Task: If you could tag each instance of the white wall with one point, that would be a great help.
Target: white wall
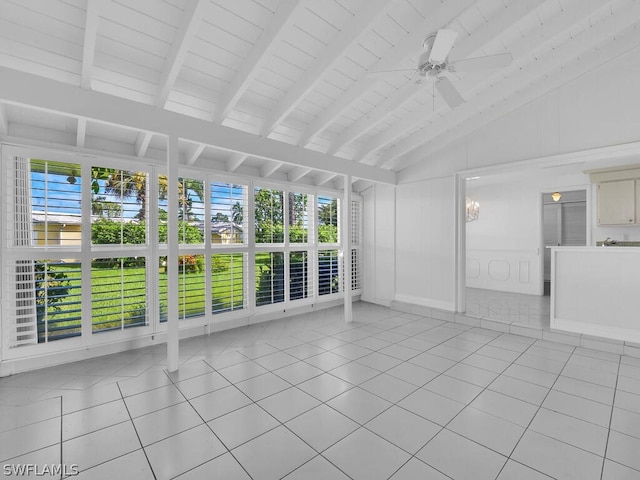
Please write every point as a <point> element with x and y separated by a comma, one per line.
<point>599,109</point>
<point>504,246</point>
<point>425,245</point>
<point>378,265</point>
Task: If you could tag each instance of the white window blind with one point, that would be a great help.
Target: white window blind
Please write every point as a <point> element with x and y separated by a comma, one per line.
<point>191,211</point>
<point>328,272</point>
<point>301,229</point>
<point>228,220</point>
<point>56,215</point>
<point>300,278</point>
<point>270,286</point>
<point>228,272</point>
<point>356,235</point>
<point>269,224</point>
<point>21,321</point>
<point>328,211</point>
<point>120,206</point>
<point>118,293</point>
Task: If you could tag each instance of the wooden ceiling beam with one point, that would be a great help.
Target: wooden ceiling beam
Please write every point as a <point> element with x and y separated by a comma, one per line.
<point>525,85</point>
<point>81,132</point>
<point>189,27</point>
<point>256,58</point>
<point>89,45</point>
<point>297,174</point>
<point>269,168</point>
<point>142,143</point>
<point>408,46</point>
<point>21,88</point>
<point>325,62</point>
<point>511,14</point>
<point>237,160</point>
<point>4,120</point>
<point>194,153</point>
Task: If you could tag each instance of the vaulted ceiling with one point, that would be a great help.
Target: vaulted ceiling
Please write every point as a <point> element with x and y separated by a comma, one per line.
<point>297,79</point>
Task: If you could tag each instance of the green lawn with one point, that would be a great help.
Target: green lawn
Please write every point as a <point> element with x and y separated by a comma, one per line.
<point>118,293</point>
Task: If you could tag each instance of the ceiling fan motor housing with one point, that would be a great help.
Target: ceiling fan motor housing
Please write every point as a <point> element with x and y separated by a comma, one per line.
<point>427,67</point>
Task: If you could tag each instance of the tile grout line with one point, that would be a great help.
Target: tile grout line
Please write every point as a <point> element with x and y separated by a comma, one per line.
<point>467,405</point>
<point>136,430</point>
<point>61,437</point>
<point>281,424</point>
<point>613,406</point>
<point>534,415</point>
<point>207,423</point>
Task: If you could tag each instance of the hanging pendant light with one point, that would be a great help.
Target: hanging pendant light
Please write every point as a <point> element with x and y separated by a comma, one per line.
<point>472,209</point>
<point>556,196</point>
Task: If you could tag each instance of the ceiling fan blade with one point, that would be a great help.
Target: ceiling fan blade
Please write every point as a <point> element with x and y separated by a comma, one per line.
<point>449,92</point>
<point>390,73</point>
<point>442,46</point>
<point>483,63</point>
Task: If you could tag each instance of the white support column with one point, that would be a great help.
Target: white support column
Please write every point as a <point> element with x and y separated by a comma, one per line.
<point>346,248</point>
<point>173,334</point>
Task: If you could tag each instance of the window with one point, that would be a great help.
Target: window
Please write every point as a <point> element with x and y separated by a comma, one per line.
<point>228,224</point>
<point>191,286</point>
<point>328,220</point>
<point>227,282</point>
<point>299,278</point>
<point>55,203</point>
<point>58,299</point>
<point>269,278</point>
<point>191,210</point>
<point>298,217</point>
<point>328,272</point>
<point>119,206</point>
<point>118,293</point>
<point>356,234</point>
<point>124,278</point>
<point>269,225</point>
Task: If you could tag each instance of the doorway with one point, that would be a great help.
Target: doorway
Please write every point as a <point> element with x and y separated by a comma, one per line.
<point>564,223</point>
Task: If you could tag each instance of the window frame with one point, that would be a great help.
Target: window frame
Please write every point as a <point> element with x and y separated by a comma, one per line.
<point>152,250</point>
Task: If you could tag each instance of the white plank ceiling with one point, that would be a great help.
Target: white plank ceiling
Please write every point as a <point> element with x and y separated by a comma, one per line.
<point>298,71</point>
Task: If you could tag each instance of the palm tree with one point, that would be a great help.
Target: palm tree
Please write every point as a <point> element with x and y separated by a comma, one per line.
<point>236,213</point>
<point>128,184</point>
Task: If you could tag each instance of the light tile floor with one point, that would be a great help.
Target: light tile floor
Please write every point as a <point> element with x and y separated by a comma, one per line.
<point>391,395</point>
<point>506,307</point>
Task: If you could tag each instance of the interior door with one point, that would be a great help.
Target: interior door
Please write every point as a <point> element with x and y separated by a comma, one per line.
<point>564,223</point>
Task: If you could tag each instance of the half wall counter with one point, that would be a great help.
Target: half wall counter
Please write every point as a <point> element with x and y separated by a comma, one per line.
<point>596,291</point>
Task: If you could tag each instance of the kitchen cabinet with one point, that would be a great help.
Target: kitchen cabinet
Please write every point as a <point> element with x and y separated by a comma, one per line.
<point>617,202</point>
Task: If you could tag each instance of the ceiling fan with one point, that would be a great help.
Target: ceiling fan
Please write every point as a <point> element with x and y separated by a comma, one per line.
<point>434,62</point>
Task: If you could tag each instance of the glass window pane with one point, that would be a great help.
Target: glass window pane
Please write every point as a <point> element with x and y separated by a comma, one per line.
<point>191,213</point>
<point>227,282</point>
<point>58,288</point>
<point>191,286</point>
<point>118,293</point>
<point>298,217</point>
<point>56,214</point>
<point>299,285</point>
<point>228,223</point>
<point>119,206</point>
<point>268,216</point>
<point>269,278</point>
<point>328,274</point>
<point>327,220</point>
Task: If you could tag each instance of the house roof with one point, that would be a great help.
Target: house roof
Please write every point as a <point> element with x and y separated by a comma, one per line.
<point>225,227</point>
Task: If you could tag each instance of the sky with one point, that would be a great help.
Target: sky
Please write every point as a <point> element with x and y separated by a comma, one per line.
<point>61,192</point>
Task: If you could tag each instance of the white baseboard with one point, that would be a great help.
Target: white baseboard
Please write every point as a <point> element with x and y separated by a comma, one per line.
<point>49,359</point>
